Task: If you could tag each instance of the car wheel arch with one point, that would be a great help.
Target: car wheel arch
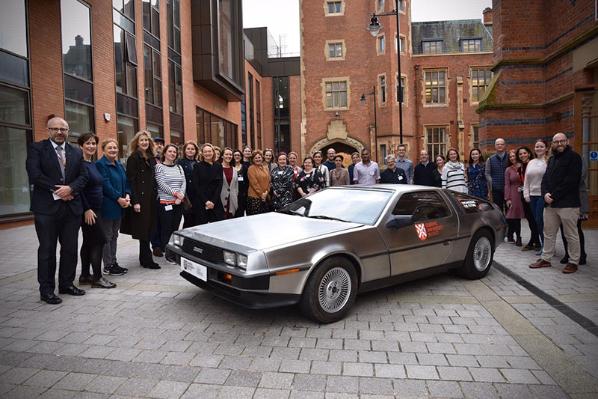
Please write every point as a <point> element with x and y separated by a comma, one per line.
<point>346,255</point>
<point>490,231</point>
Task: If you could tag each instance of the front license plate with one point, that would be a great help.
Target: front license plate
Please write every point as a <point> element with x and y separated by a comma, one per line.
<point>195,269</point>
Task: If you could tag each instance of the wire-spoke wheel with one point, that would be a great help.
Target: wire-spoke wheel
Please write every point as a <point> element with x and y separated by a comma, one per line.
<point>334,290</point>
<point>482,254</point>
<point>479,256</point>
<point>330,291</point>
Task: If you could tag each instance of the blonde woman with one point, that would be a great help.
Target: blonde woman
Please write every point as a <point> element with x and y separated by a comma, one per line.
<point>140,172</point>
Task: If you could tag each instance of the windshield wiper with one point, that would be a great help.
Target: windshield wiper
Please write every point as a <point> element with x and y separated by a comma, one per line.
<point>328,218</point>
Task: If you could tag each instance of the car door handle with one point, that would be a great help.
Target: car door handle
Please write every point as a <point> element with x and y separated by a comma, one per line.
<point>446,243</point>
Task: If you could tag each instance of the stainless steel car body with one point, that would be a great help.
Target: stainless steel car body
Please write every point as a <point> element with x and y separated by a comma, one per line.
<point>283,250</point>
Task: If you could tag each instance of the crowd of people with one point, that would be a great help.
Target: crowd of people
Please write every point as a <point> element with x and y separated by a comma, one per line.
<point>162,185</point>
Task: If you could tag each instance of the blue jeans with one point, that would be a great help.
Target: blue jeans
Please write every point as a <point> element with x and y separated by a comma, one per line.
<point>537,207</point>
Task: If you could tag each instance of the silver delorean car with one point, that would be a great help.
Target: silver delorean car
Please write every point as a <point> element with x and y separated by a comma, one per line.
<point>321,250</point>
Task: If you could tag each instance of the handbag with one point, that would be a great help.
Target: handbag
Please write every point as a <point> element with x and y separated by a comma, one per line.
<point>187,204</point>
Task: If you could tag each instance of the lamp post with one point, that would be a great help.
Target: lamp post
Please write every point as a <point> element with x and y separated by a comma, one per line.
<point>374,28</point>
<point>362,101</point>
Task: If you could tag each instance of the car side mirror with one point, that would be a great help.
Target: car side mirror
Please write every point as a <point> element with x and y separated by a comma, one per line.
<point>399,221</point>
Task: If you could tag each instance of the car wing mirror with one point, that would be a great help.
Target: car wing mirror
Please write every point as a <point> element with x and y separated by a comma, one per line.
<point>399,221</point>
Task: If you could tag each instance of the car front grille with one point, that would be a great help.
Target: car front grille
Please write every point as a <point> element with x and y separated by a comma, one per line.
<point>203,251</point>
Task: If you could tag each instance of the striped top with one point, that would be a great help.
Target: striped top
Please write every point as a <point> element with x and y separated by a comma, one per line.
<point>170,180</point>
<point>453,177</point>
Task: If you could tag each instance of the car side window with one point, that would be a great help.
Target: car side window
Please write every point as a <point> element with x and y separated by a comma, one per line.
<point>471,204</point>
<point>422,205</point>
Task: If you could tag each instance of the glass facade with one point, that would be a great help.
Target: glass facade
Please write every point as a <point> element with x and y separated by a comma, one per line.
<point>282,122</point>
<point>215,130</point>
<point>15,109</point>
<point>77,67</point>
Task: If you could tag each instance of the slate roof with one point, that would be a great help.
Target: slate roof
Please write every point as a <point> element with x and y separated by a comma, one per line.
<point>451,33</point>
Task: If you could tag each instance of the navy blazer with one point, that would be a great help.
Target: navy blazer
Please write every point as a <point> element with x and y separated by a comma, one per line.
<point>44,173</point>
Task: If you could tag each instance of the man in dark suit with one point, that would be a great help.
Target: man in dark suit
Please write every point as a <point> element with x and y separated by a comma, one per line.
<point>57,175</point>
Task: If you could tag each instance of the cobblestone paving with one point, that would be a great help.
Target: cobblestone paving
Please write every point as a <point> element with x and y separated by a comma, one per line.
<point>157,336</point>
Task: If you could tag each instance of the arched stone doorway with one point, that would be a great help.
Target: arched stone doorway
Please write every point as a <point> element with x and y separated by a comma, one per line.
<point>343,146</point>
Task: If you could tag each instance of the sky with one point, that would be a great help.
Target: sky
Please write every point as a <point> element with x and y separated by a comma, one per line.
<point>282,16</point>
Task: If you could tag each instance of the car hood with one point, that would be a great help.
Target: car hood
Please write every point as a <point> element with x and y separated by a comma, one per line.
<point>259,232</point>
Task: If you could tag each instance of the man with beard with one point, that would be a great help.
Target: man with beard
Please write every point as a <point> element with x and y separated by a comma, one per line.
<point>560,189</point>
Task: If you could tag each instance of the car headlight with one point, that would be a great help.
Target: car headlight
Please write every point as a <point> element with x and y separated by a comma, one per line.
<point>178,240</point>
<point>229,258</point>
<point>242,261</point>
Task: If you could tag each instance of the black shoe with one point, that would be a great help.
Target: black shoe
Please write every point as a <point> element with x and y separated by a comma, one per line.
<point>124,269</point>
<point>72,290</point>
<point>50,299</point>
<point>518,242</point>
<point>113,270</point>
<point>102,283</point>
<point>158,252</point>
<point>510,239</point>
<point>582,260</point>
<point>152,265</point>
<point>565,260</point>
<point>85,280</point>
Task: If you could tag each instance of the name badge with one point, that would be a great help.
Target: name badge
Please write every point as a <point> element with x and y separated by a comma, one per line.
<point>239,178</point>
<point>168,208</point>
<point>280,172</point>
<point>400,178</point>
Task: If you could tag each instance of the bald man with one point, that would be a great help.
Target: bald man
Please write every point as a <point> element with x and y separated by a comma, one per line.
<point>560,191</point>
<point>495,173</point>
<point>57,174</point>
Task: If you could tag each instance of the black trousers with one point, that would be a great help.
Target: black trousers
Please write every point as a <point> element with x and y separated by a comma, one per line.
<point>145,253</point>
<point>62,227</point>
<point>498,197</point>
<point>582,241</point>
<point>155,237</point>
<point>92,247</point>
<point>188,218</point>
<point>514,228</point>
<point>203,216</point>
<point>169,222</point>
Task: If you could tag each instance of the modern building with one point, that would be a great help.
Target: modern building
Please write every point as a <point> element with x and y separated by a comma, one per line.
<point>351,89</point>
<point>546,78</point>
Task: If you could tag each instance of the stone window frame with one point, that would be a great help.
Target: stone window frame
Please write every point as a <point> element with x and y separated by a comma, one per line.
<point>381,38</point>
<point>472,101</point>
<point>470,41</point>
<point>447,139</point>
<point>327,53</point>
<point>406,48</point>
<point>446,88</point>
<point>345,79</point>
<point>472,136</point>
<point>335,14</point>
<point>438,45</point>
<point>404,10</point>
<point>405,89</point>
<point>382,102</point>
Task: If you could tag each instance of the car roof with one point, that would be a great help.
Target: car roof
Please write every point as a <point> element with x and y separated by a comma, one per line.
<point>398,188</point>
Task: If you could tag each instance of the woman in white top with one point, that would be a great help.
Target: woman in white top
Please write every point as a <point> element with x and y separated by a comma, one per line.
<point>172,187</point>
<point>532,184</point>
<point>453,173</point>
<point>321,168</point>
<point>230,186</point>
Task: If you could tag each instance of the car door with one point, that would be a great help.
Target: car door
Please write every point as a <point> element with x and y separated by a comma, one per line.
<point>425,238</point>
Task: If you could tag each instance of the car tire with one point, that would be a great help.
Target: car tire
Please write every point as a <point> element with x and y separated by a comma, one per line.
<point>330,291</point>
<point>480,254</point>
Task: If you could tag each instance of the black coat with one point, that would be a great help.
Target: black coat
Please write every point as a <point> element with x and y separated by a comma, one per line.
<point>188,165</point>
<point>140,173</point>
<point>398,176</point>
<point>562,177</point>
<point>207,183</point>
<point>424,174</point>
<point>44,173</point>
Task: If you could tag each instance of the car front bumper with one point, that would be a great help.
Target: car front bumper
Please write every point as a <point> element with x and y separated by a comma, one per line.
<point>249,292</point>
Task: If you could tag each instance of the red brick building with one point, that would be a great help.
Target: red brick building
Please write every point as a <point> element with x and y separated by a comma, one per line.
<point>445,68</point>
<point>546,77</point>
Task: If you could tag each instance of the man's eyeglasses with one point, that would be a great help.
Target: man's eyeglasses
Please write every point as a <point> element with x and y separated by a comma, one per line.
<point>59,129</point>
<point>559,141</point>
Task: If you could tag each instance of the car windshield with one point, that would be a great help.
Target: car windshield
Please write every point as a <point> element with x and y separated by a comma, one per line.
<point>347,205</point>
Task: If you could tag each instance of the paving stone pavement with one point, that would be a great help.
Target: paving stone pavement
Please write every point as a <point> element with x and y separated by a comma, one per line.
<point>157,336</point>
